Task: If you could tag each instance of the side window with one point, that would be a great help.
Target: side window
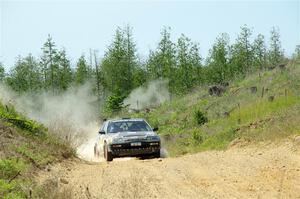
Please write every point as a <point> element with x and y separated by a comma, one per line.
<point>103,127</point>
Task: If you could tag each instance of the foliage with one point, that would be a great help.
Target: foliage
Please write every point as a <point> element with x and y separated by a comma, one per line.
<point>239,114</point>
<point>188,64</point>
<point>259,53</point>
<point>241,55</point>
<point>180,63</point>
<point>33,148</point>
<point>200,117</point>
<point>65,72</point>
<point>49,65</point>
<point>122,70</point>
<point>114,102</point>
<point>275,54</point>
<point>9,168</point>
<point>81,75</point>
<point>197,137</point>
<point>25,76</point>
<point>120,62</point>
<point>161,62</point>
<point>2,72</point>
<point>11,190</point>
<point>297,52</point>
<point>38,158</point>
<point>7,113</point>
<point>218,60</point>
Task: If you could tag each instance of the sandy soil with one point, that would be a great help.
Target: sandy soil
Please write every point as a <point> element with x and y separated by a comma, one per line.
<point>268,171</point>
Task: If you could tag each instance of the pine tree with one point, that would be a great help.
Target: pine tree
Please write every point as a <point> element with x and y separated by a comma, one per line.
<point>242,52</point>
<point>275,54</point>
<point>81,74</point>
<point>259,52</point>
<point>130,54</point>
<point>113,62</point>
<point>96,73</point>
<point>2,73</point>
<point>196,60</point>
<point>218,60</point>
<point>139,74</point>
<point>297,52</point>
<point>161,63</point>
<point>65,71</point>
<point>25,75</point>
<point>49,67</point>
<point>188,61</point>
<point>119,62</point>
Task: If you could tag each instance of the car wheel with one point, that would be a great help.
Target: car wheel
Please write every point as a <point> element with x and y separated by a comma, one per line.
<point>157,154</point>
<point>107,154</point>
<point>96,151</point>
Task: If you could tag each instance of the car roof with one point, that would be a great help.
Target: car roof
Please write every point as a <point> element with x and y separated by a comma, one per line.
<point>125,120</point>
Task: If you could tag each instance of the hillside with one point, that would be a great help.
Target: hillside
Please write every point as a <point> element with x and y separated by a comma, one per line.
<point>264,106</point>
<point>26,149</point>
<point>261,108</point>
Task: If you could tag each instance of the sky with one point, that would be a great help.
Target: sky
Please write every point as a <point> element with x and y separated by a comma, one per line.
<point>79,26</point>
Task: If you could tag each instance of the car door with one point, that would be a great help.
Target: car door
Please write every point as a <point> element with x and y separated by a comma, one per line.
<point>103,137</point>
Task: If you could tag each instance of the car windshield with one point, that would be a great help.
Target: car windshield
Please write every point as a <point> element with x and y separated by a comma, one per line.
<point>125,126</point>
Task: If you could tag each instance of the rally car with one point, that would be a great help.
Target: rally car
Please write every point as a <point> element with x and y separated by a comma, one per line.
<point>128,137</point>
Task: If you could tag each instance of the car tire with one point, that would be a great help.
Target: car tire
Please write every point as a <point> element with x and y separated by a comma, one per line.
<point>107,154</point>
<point>157,154</point>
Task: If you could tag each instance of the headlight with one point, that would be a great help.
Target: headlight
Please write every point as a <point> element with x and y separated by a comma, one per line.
<point>152,138</point>
<point>118,140</point>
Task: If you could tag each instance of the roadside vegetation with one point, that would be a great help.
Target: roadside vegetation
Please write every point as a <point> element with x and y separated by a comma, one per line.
<point>115,75</point>
<point>264,106</point>
<point>25,148</point>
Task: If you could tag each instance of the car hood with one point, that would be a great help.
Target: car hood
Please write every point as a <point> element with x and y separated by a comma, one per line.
<point>139,134</point>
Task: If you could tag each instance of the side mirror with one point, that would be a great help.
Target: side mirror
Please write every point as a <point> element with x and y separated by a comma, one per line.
<point>102,132</point>
<point>155,129</point>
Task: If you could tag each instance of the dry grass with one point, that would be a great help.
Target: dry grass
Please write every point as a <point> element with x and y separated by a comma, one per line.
<point>239,113</point>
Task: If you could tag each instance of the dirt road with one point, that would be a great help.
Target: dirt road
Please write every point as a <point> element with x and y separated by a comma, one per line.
<point>269,171</point>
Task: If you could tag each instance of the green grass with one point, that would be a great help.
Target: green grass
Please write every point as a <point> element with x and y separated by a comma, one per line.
<point>35,156</point>
<point>250,116</point>
<point>12,117</point>
<point>9,170</point>
<point>11,190</point>
<point>32,148</point>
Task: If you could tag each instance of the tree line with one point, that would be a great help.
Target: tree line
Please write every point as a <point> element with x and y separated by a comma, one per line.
<point>121,70</point>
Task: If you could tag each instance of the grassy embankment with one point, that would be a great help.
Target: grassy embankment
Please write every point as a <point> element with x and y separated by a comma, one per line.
<point>240,114</point>
<point>25,149</point>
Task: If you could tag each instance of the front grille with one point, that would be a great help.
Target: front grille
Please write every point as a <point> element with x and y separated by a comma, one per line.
<point>135,149</point>
<point>135,139</point>
<point>144,145</point>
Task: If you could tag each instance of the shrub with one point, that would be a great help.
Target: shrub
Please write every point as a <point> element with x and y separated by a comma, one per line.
<point>11,190</point>
<point>10,115</point>
<point>38,157</point>
<point>10,167</point>
<point>200,117</point>
<point>197,137</point>
<point>114,103</point>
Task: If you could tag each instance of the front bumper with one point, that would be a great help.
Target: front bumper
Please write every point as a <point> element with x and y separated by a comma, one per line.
<point>130,149</point>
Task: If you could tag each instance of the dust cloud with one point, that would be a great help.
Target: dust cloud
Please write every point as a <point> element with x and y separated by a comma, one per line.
<point>71,115</point>
<point>153,94</point>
